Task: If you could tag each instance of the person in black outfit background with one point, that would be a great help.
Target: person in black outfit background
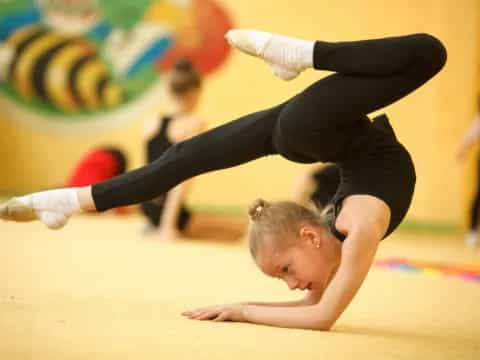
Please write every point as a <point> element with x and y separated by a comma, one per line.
<point>168,216</point>
<point>327,254</point>
<point>469,139</point>
<point>317,185</point>
<point>167,213</point>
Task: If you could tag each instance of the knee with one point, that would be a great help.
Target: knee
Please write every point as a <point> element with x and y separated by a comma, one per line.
<point>432,51</point>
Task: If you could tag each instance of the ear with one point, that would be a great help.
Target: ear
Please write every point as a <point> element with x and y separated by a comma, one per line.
<point>311,236</point>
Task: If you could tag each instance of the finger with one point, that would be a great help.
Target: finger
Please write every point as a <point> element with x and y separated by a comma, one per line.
<point>193,312</point>
<point>208,315</point>
<point>196,314</point>
<point>190,312</point>
<point>222,317</point>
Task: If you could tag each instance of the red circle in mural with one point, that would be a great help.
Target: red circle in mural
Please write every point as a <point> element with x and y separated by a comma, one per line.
<point>202,41</point>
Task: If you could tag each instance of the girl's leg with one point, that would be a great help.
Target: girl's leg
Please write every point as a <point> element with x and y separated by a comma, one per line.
<point>318,123</point>
<point>232,144</point>
<point>374,73</point>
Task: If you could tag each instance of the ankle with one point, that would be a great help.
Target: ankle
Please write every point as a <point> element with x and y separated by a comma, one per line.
<point>85,199</point>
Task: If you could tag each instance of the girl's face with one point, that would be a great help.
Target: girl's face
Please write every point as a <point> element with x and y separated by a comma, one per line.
<point>307,263</point>
<point>189,100</point>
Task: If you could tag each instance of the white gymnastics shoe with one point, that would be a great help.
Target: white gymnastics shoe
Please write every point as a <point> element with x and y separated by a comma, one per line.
<point>287,56</point>
<point>53,207</point>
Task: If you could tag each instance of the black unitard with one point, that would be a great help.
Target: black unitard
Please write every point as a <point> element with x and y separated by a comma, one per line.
<point>156,146</point>
<point>326,122</point>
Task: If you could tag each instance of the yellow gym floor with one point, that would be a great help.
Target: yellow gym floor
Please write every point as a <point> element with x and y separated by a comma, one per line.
<point>98,289</point>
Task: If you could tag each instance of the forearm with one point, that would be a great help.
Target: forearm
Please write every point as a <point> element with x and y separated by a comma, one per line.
<point>273,313</point>
<point>276,304</point>
<point>358,252</point>
<point>173,204</point>
<point>312,297</point>
<point>300,317</point>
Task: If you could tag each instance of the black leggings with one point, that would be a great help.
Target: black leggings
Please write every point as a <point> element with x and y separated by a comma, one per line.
<point>315,125</point>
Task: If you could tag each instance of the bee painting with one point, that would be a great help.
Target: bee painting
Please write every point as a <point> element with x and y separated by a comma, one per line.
<point>80,62</point>
<point>65,71</point>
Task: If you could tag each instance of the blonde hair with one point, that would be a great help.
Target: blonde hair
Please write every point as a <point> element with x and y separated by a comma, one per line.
<point>282,219</point>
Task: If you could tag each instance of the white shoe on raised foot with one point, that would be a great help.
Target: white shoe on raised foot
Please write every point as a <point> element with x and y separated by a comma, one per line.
<point>16,210</point>
<point>52,207</point>
<point>287,56</point>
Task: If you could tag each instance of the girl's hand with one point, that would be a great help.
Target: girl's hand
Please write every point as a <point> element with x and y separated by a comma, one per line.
<point>232,312</point>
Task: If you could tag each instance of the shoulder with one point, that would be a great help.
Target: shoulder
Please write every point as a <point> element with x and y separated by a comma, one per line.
<point>151,125</point>
<point>194,124</point>
<point>364,213</point>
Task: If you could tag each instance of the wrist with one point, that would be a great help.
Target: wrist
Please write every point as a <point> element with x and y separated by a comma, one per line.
<point>245,311</point>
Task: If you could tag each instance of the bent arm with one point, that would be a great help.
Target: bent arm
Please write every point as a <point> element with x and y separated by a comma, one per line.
<point>177,195</point>
<point>173,204</point>
<point>357,257</point>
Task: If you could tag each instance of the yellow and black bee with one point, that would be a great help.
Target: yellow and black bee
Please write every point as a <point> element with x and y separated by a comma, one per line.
<point>61,70</point>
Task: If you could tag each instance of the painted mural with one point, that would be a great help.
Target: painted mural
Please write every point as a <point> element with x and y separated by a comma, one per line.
<point>70,63</point>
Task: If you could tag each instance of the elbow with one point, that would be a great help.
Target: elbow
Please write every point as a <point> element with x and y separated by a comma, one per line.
<point>323,325</point>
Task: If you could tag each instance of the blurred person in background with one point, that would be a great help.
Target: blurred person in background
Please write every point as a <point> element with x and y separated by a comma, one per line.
<point>168,216</point>
<point>317,185</point>
<point>471,137</point>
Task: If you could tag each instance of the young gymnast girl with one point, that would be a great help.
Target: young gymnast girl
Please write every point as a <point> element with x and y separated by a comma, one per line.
<point>328,255</point>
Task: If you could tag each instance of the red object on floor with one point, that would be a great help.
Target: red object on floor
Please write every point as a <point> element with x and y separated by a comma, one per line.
<point>97,166</point>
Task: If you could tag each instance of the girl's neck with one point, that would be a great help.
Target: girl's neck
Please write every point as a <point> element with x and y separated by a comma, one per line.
<point>336,256</point>
<point>181,109</point>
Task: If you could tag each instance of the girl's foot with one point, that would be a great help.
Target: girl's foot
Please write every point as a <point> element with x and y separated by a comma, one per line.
<point>287,56</point>
<point>53,207</point>
<point>14,210</point>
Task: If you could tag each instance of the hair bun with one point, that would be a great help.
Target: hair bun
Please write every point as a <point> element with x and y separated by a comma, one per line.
<point>256,209</point>
<point>183,65</point>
